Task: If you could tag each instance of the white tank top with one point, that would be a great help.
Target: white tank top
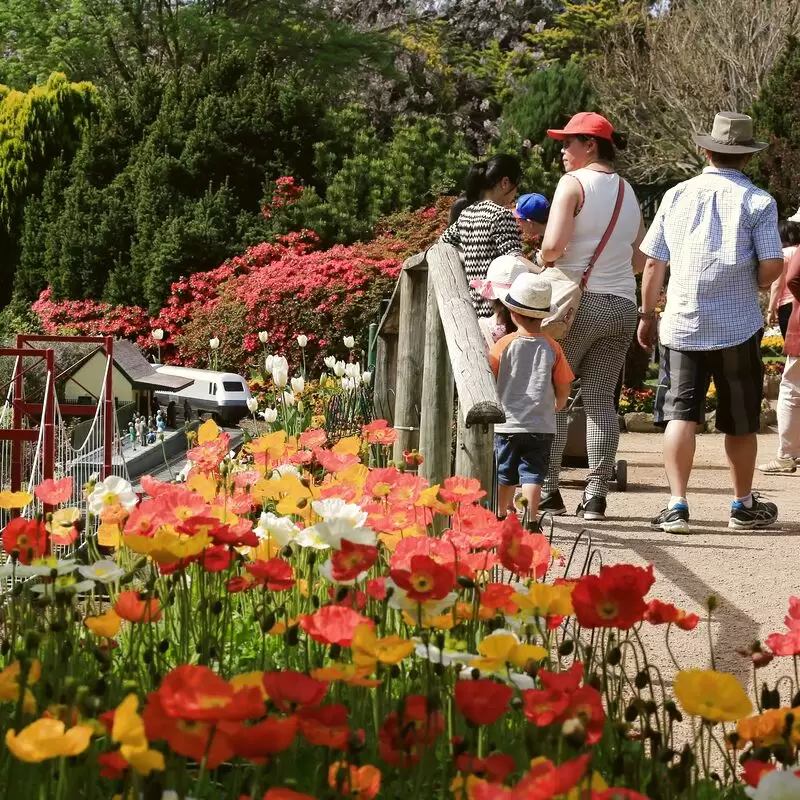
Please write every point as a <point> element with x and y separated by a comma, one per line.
<point>613,273</point>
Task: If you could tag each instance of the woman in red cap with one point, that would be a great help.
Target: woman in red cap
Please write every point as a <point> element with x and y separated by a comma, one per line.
<point>581,213</point>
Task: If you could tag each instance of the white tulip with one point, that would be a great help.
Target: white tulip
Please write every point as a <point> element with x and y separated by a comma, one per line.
<point>269,415</point>
<point>263,336</point>
<point>349,341</point>
<point>214,343</point>
<point>252,405</point>
<point>339,369</point>
<point>158,334</point>
<point>351,370</point>
<point>268,362</point>
<point>289,399</point>
<point>330,361</point>
<point>300,406</point>
<point>280,376</point>
<point>366,378</point>
<point>298,384</point>
<point>302,340</point>
<point>348,384</point>
<point>279,362</point>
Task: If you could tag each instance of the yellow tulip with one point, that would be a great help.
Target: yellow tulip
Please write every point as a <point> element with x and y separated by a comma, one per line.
<point>502,649</point>
<point>369,649</point>
<point>14,500</point>
<point>48,738</point>
<point>714,696</point>
<point>107,624</point>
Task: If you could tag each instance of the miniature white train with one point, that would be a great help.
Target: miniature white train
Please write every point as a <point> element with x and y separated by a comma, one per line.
<point>223,395</point>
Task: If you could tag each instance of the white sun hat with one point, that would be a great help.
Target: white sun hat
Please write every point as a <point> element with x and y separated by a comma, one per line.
<point>502,272</point>
<point>530,295</point>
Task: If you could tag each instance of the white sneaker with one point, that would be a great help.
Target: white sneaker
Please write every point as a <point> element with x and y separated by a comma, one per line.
<point>778,465</point>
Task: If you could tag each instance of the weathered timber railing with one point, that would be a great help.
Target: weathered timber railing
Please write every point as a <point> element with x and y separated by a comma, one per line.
<point>429,341</point>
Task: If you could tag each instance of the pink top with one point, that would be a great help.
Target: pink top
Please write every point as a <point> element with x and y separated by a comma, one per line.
<point>784,296</point>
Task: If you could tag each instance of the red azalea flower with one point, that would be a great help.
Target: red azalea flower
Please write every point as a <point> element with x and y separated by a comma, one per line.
<point>333,625</point>
<point>542,707</point>
<point>258,742</point>
<point>461,490</point>
<point>659,613</point>
<point>614,598</point>
<point>425,580</point>
<point>325,726</point>
<point>132,607</point>
<point>28,537</point>
<point>289,690</point>
<point>216,559</point>
<point>275,573</point>
<point>351,560</point>
<point>53,493</point>
<point>482,702</point>
<point>197,693</point>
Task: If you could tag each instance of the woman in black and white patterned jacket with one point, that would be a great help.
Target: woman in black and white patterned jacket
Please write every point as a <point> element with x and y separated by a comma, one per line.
<point>487,228</point>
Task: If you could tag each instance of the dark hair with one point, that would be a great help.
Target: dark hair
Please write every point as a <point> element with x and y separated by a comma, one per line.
<point>503,316</point>
<point>789,232</point>
<point>487,174</point>
<point>729,160</point>
<point>606,147</point>
<point>456,209</point>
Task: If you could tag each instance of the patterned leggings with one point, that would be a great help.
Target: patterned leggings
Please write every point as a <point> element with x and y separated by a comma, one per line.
<point>595,348</point>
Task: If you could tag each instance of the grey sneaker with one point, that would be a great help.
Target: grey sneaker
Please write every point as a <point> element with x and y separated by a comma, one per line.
<point>672,520</point>
<point>759,515</point>
<point>778,465</point>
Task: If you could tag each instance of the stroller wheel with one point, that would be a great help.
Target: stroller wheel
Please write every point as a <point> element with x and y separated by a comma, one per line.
<point>621,475</point>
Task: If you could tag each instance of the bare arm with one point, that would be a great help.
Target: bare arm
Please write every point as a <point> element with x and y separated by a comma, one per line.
<point>768,271</point>
<point>793,275</point>
<point>561,221</point>
<point>652,284</point>
<point>639,258</point>
<point>562,394</point>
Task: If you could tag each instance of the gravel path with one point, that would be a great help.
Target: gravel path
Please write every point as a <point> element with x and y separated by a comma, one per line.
<point>752,574</point>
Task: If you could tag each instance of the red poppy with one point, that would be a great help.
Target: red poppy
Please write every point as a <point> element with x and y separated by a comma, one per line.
<point>359,783</point>
<point>495,768</point>
<point>53,493</point>
<point>351,560</point>
<point>198,693</point>
<point>325,726</point>
<point>289,690</point>
<point>659,613</point>
<point>461,490</point>
<point>190,738</point>
<point>753,770</point>
<point>334,462</point>
<point>313,437</point>
<point>522,553</point>
<point>333,625</point>
<point>112,765</point>
<point>379,432</point>
<point>586,704</point>
<point>239,583</point>
<point>275,573</point>
<point>542,707</point>
<point>497,596</point>
<point>618,794</point>
<point>265,738</point>
<point>28,537</point>
<point>281,793</point>
<point>381,481</point>
<point>567,681</point>
<point>376,588</point>
<point>424,580</point>
<point>482,702</point>
<point>784,644</point>
<point>545,780</point>
<point>614,598</point>
<point>132,607</point>
<point>216,559</point>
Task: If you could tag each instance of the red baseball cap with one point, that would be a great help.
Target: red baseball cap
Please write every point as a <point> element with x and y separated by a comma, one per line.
<point>586,123</point>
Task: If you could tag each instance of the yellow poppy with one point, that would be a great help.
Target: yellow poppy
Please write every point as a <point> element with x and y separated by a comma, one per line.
<point>390,539</point>
<point>275,489</point>
<point>9,684</point>
<point>502,649</point>
<point>545,600</point>
<point>128,731</point>
<point>63,520</point>
<point>349,446</point>
<point>108,534</point>
<point>249,680</point>
<point>368,649</point>
<point>769,728</point>
<point>167,546</point>
<point>273,444</point>
<point>207,432</point>
<point>587,787</point>
<point>14,500</point>
<point>714,696</point>
<point>351,674</point>
<point>107,624</point>
<point>47,738</point>
<point>202,484</point>
<point>442,622</point>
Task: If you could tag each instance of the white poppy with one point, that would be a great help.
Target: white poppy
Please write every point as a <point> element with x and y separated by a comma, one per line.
<point>109,492</point>
<point>444,657</point>
<point>326,570</point>
<point>43,568</point>
<point>432,608</point>
<point>64,583</point>
<point>104,571</point>
<point>280,529</point>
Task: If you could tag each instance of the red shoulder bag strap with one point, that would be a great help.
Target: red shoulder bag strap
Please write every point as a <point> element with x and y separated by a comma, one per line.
<point>606,236</point>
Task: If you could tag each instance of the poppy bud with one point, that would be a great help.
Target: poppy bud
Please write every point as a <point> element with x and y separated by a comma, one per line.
<point>642,679</point>
<point>147,657</point>
<point>335,651</point>
<point>341,593</point>
<point>440,641</point>
<point>268,623</point>
<point>287,551</point>
<point>32,641</point>
<point>651,707</point>
<point>618,765</point>
<point>163,646</point>
<point>302,502</point>
<point>413,674</point>
<point>796,700</point>
<point>315,601</point>
<point>614,656</point>
<point>292,636</point>
<point>475,673</point>
<point>770,698</point>
<point>712,603</point>
<point>733,740</point>
<point>312,559</point>
<point>394,671</point>
<point>466,583</point>
<point>438,669</point>
<point>16,589</point>
<point>667,755</point>
<point>47,690</point>
<point>687,756</point>
<point>631,713</point>
<point>56,626</point>
<point>216,607</point>
<point>5,647</point>
<point>671,709</point>
<point>566,647</point>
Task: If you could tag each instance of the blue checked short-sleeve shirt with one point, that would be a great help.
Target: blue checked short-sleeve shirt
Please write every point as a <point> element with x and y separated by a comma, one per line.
<point>713,230</point>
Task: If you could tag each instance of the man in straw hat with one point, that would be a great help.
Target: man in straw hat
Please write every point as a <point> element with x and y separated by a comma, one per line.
<point>719,234</point>
<point>533,380</point>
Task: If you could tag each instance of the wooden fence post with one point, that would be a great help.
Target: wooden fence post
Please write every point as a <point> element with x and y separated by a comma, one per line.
<point>475,454</point>
<point>413,286</point>
<point>436,423</point>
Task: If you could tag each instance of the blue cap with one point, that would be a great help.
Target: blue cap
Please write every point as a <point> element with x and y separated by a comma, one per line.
<point>533,207</point>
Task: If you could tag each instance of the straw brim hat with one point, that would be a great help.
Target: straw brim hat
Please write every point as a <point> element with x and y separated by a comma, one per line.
<point>530,296</point>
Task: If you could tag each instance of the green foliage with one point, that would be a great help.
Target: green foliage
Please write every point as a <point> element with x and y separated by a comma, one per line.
<point>777,115</point>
